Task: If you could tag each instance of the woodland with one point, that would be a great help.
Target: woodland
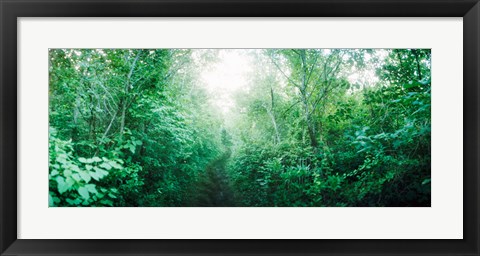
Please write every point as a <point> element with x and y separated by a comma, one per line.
<point>239,128</point>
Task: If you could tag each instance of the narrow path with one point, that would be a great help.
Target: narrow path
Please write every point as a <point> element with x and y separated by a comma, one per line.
<point>214,187</point>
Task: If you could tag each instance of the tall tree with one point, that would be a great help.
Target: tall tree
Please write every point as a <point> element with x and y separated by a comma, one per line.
<point>315,74</point>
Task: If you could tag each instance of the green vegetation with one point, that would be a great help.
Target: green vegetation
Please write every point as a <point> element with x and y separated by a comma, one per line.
<point>272,127</point>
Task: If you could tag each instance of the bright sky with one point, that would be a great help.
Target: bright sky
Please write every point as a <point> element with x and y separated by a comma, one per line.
<point>368,77</point>
<point>227,76</point>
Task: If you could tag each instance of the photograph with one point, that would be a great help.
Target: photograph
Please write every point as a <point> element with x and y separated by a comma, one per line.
<point>276,127</point>
<point>266,127</point>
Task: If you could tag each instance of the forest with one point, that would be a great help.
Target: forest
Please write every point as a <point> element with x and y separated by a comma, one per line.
<point>239,128</point>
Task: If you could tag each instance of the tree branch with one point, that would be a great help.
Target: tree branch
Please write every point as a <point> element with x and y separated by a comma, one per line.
<point>283,73</point>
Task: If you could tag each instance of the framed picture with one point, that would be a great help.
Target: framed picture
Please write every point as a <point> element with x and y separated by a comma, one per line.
<point>225,127</point>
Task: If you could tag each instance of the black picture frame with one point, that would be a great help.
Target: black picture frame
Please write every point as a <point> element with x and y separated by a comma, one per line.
<point>10,10</point>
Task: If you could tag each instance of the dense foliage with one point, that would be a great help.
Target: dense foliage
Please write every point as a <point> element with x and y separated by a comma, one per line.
<point>310,127</point>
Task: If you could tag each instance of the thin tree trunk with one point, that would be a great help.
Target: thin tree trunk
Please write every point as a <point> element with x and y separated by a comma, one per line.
<point>92,120</point>
<point>274,123</point>
<point>109,126</point>
<point>271,113</point>
<point>76,113</point>
<point>419,71</point>
<point>303,92</point>
<point>124,100</point>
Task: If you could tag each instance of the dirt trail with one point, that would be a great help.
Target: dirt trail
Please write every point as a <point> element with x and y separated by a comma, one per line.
<point>214,187</point>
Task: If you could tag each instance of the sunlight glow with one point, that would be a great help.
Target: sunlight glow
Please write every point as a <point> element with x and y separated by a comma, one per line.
<point>368,77</point>
<point>226,76</point>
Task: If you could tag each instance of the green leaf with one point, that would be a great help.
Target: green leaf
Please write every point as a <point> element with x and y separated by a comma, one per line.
<point>107,202</point>
<point>61,185</point>
<point>85,176</point>
<point>67,172</point>
<point>94,176</point>
<point>75,168</point>
<point>82,160</point>
<point>91,188</point>
<point>76,177</point>
<point>50,201</point>
<point>70,182</point>
<point>84,193</point>
<point>106,166</point>
<point>96,159</point>
<point>88,167</point>
<point>425,181</point>
<point>115,165</point>
<point>138,142</point>
<point>412,84</point>
<point>73,202</point>
<point>62,158</point>
<point>100,172</point>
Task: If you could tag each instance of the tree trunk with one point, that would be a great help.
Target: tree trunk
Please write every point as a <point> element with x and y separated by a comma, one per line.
<point>419,71</point>
<point>271,113</point>
<point>125,97</point>
<point>274,124</point>
<point>303,91</point>
<point>311,132</point>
